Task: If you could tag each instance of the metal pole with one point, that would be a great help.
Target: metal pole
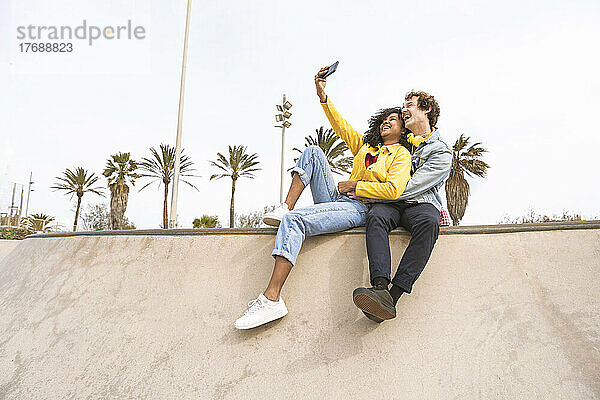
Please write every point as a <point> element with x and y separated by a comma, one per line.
<point>282,157</point>
<point>12,205</point>
<point>12,202</point>
<point>20,207</point>
<point>173,216</point>
<point>28,193</point>
<point>282,147</point>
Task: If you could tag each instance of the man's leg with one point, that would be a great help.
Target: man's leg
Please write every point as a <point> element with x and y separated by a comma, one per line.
<point>376,302</point>
<point>381,219</point>
<point>423,222</point>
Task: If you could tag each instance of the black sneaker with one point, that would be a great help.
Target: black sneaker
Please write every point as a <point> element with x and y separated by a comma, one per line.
<point>372,317</point>
<point>375,301</point>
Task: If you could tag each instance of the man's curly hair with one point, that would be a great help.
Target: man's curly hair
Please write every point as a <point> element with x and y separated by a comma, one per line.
<point>425,101</point>
<point>373,135</point>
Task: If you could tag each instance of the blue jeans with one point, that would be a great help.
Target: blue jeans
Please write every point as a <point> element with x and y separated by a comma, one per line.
<point>332,212</point>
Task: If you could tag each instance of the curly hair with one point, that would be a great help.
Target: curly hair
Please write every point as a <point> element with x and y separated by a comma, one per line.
<point>425,101</point>
<point>373,135</point>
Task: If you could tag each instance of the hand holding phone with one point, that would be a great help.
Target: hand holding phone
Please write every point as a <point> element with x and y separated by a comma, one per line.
<point>320,81</point>
<point>330,70</point>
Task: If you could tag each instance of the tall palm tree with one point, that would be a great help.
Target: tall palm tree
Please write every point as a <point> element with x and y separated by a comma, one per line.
<point>78,183</point>
<point>161,168</point>
<point>457,188</point>
<point>333,147</point>
<point>238,165</point>
<point>120,170</point>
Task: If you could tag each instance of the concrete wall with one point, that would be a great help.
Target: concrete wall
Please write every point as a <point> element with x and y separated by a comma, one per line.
<point>493,316</point>
<point>6,246</point>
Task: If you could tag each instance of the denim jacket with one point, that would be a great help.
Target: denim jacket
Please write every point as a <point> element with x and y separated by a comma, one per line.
<point>431,163</point>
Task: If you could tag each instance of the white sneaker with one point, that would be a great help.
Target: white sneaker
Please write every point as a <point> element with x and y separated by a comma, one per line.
<point>261,311</point>
<point>274,217</point>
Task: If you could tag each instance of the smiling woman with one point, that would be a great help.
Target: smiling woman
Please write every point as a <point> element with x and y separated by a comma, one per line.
<point>393,131</point>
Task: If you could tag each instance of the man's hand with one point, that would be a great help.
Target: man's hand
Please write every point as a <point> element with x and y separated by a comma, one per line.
<point>320,84</point>
<point>346,186</point>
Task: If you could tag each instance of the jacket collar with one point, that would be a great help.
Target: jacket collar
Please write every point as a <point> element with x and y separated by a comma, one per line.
<point>432,137</point>
<point>390,148</point>
<point>435,135</point>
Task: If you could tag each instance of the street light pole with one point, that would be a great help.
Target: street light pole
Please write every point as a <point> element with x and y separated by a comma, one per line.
<point>282,159</point>
<point>29,193</point>
<point>12,202</point>
<point>20,206</point>
<point>283,118</point>
<point>173,216</point>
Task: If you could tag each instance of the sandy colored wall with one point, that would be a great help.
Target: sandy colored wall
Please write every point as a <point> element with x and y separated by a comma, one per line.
<point>6,246</point>
<point>493,316</point>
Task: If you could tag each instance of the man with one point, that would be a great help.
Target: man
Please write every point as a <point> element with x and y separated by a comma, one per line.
<point>417,210</point>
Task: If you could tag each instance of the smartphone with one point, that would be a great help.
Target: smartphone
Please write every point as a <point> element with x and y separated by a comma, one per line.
<point>330,70</point>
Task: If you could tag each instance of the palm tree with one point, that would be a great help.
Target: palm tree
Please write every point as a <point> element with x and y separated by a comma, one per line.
<point>78,183</point>
<point>457,188</point>
<point>238,165</point>
<point>120,170</point>
<point>160,167</point>
<point>333,147</point>
<point>38,222</point>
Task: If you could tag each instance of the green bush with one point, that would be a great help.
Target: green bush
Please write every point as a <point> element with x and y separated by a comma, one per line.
<point>14,233</point>
<point>206,221</point>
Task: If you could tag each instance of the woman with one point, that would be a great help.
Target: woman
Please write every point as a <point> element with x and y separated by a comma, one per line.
<point>381,170</point>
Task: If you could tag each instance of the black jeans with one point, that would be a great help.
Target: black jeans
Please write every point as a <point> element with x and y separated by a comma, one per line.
<point>421,220</point>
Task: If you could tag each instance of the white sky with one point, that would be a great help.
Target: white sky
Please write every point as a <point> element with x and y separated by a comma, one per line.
<point>519,76</point>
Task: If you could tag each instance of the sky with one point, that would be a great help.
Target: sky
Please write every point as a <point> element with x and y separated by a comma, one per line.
<point>521,77</point>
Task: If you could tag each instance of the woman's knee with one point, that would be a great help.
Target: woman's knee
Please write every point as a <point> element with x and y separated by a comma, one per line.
<point>315,151</point>
<point>292,220</point>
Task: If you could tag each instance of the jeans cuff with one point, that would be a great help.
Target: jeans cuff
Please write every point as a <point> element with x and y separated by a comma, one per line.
<point>386,277</point>
<point>287,255</point>
<point>407,287</point>
<point>302,174</point>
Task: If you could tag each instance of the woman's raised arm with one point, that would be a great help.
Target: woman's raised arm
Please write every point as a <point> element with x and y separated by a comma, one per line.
<point>340,126</point>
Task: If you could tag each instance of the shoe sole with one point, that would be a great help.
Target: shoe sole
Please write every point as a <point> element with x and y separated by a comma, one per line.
<point>261,323</point>
<point>372,306</point>
<point>271,221</point>
<point>372,317</point>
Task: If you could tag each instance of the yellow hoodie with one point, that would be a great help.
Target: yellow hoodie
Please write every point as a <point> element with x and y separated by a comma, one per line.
<point>385,179</point>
